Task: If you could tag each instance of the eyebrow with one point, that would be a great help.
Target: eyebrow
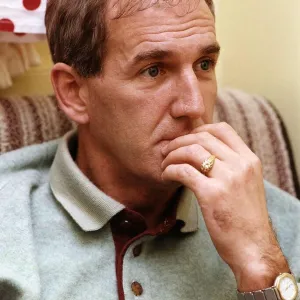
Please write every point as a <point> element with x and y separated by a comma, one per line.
<point>162,54</point>
<point>211,49</point>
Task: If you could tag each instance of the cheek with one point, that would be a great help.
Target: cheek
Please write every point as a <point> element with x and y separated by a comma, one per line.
<point>210,97</point>
<point>128,109</point>
<point>122,112</point>
<point>210,115</point>
<point>145,106</point>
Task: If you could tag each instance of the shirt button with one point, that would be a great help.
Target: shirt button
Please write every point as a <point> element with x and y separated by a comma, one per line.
<point>137,250</point>
<point>137,289</point>
<point>125,224</point>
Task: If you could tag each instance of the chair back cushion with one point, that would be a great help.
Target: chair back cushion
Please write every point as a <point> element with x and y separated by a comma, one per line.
<point>260,126</point>
<point>30,120</point>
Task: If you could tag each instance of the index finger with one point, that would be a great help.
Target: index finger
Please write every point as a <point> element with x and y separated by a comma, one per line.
<point>225,133</point>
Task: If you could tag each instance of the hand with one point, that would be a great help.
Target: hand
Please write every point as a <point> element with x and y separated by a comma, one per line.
<point>232,200</point>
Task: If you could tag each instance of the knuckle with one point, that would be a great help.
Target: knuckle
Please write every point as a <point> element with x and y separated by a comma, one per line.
<point>203,136</point>
<point>256,162</point>
<point>250,169</point>
<point>184,171</point>
<point>225,126</point>
<point>192,149</point>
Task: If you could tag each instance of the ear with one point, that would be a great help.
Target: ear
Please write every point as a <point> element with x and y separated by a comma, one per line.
<point>71,92</point>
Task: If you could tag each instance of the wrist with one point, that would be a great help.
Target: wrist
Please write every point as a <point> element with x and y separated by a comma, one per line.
<point>260,274</point>
<point>261,278</point>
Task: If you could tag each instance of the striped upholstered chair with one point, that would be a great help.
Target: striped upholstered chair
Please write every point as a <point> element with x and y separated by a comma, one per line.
<point>30,120</point>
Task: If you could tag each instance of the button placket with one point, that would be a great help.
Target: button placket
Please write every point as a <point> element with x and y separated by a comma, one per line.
<point>135,280</point>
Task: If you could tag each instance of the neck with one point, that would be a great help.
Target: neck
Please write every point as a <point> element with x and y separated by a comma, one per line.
<point>147,198</point>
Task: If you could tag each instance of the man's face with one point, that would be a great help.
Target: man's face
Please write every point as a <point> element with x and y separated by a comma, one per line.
<point>158,83</point>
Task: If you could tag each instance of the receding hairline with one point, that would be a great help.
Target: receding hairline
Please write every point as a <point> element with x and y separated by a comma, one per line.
<point>129,7</point>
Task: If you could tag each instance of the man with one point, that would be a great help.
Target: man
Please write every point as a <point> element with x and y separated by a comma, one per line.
<point>147,199</point>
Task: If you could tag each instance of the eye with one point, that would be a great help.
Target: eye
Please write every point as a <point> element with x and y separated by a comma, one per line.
<point>153,71</point>
<point>206,64</point>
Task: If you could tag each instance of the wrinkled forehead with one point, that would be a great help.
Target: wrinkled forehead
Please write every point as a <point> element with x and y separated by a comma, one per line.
<point>181,28</point>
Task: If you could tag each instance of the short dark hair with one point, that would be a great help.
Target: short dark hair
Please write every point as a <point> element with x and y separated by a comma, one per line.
<point>77,33</point>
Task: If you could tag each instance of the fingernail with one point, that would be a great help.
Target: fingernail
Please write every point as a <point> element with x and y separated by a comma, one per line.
<point>164,150</point>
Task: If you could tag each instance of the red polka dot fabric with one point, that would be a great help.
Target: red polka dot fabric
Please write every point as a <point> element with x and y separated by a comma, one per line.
<point>7,25</point>
<point>22,16</point>
<point>31,4</point>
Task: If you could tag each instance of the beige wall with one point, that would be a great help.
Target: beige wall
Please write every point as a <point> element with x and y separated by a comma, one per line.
<point>261,54</point>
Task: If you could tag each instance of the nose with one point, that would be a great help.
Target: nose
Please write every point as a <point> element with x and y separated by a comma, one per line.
<point>189,99</point>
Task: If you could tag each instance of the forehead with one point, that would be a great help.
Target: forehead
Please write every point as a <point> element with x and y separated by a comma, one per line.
<point>160,24</point>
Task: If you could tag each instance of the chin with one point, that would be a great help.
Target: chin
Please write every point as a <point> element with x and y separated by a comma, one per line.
<point>171,185</point>
<point>155,177</point>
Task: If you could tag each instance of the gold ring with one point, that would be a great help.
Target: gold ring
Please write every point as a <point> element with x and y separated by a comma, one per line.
<point>207,165</point>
